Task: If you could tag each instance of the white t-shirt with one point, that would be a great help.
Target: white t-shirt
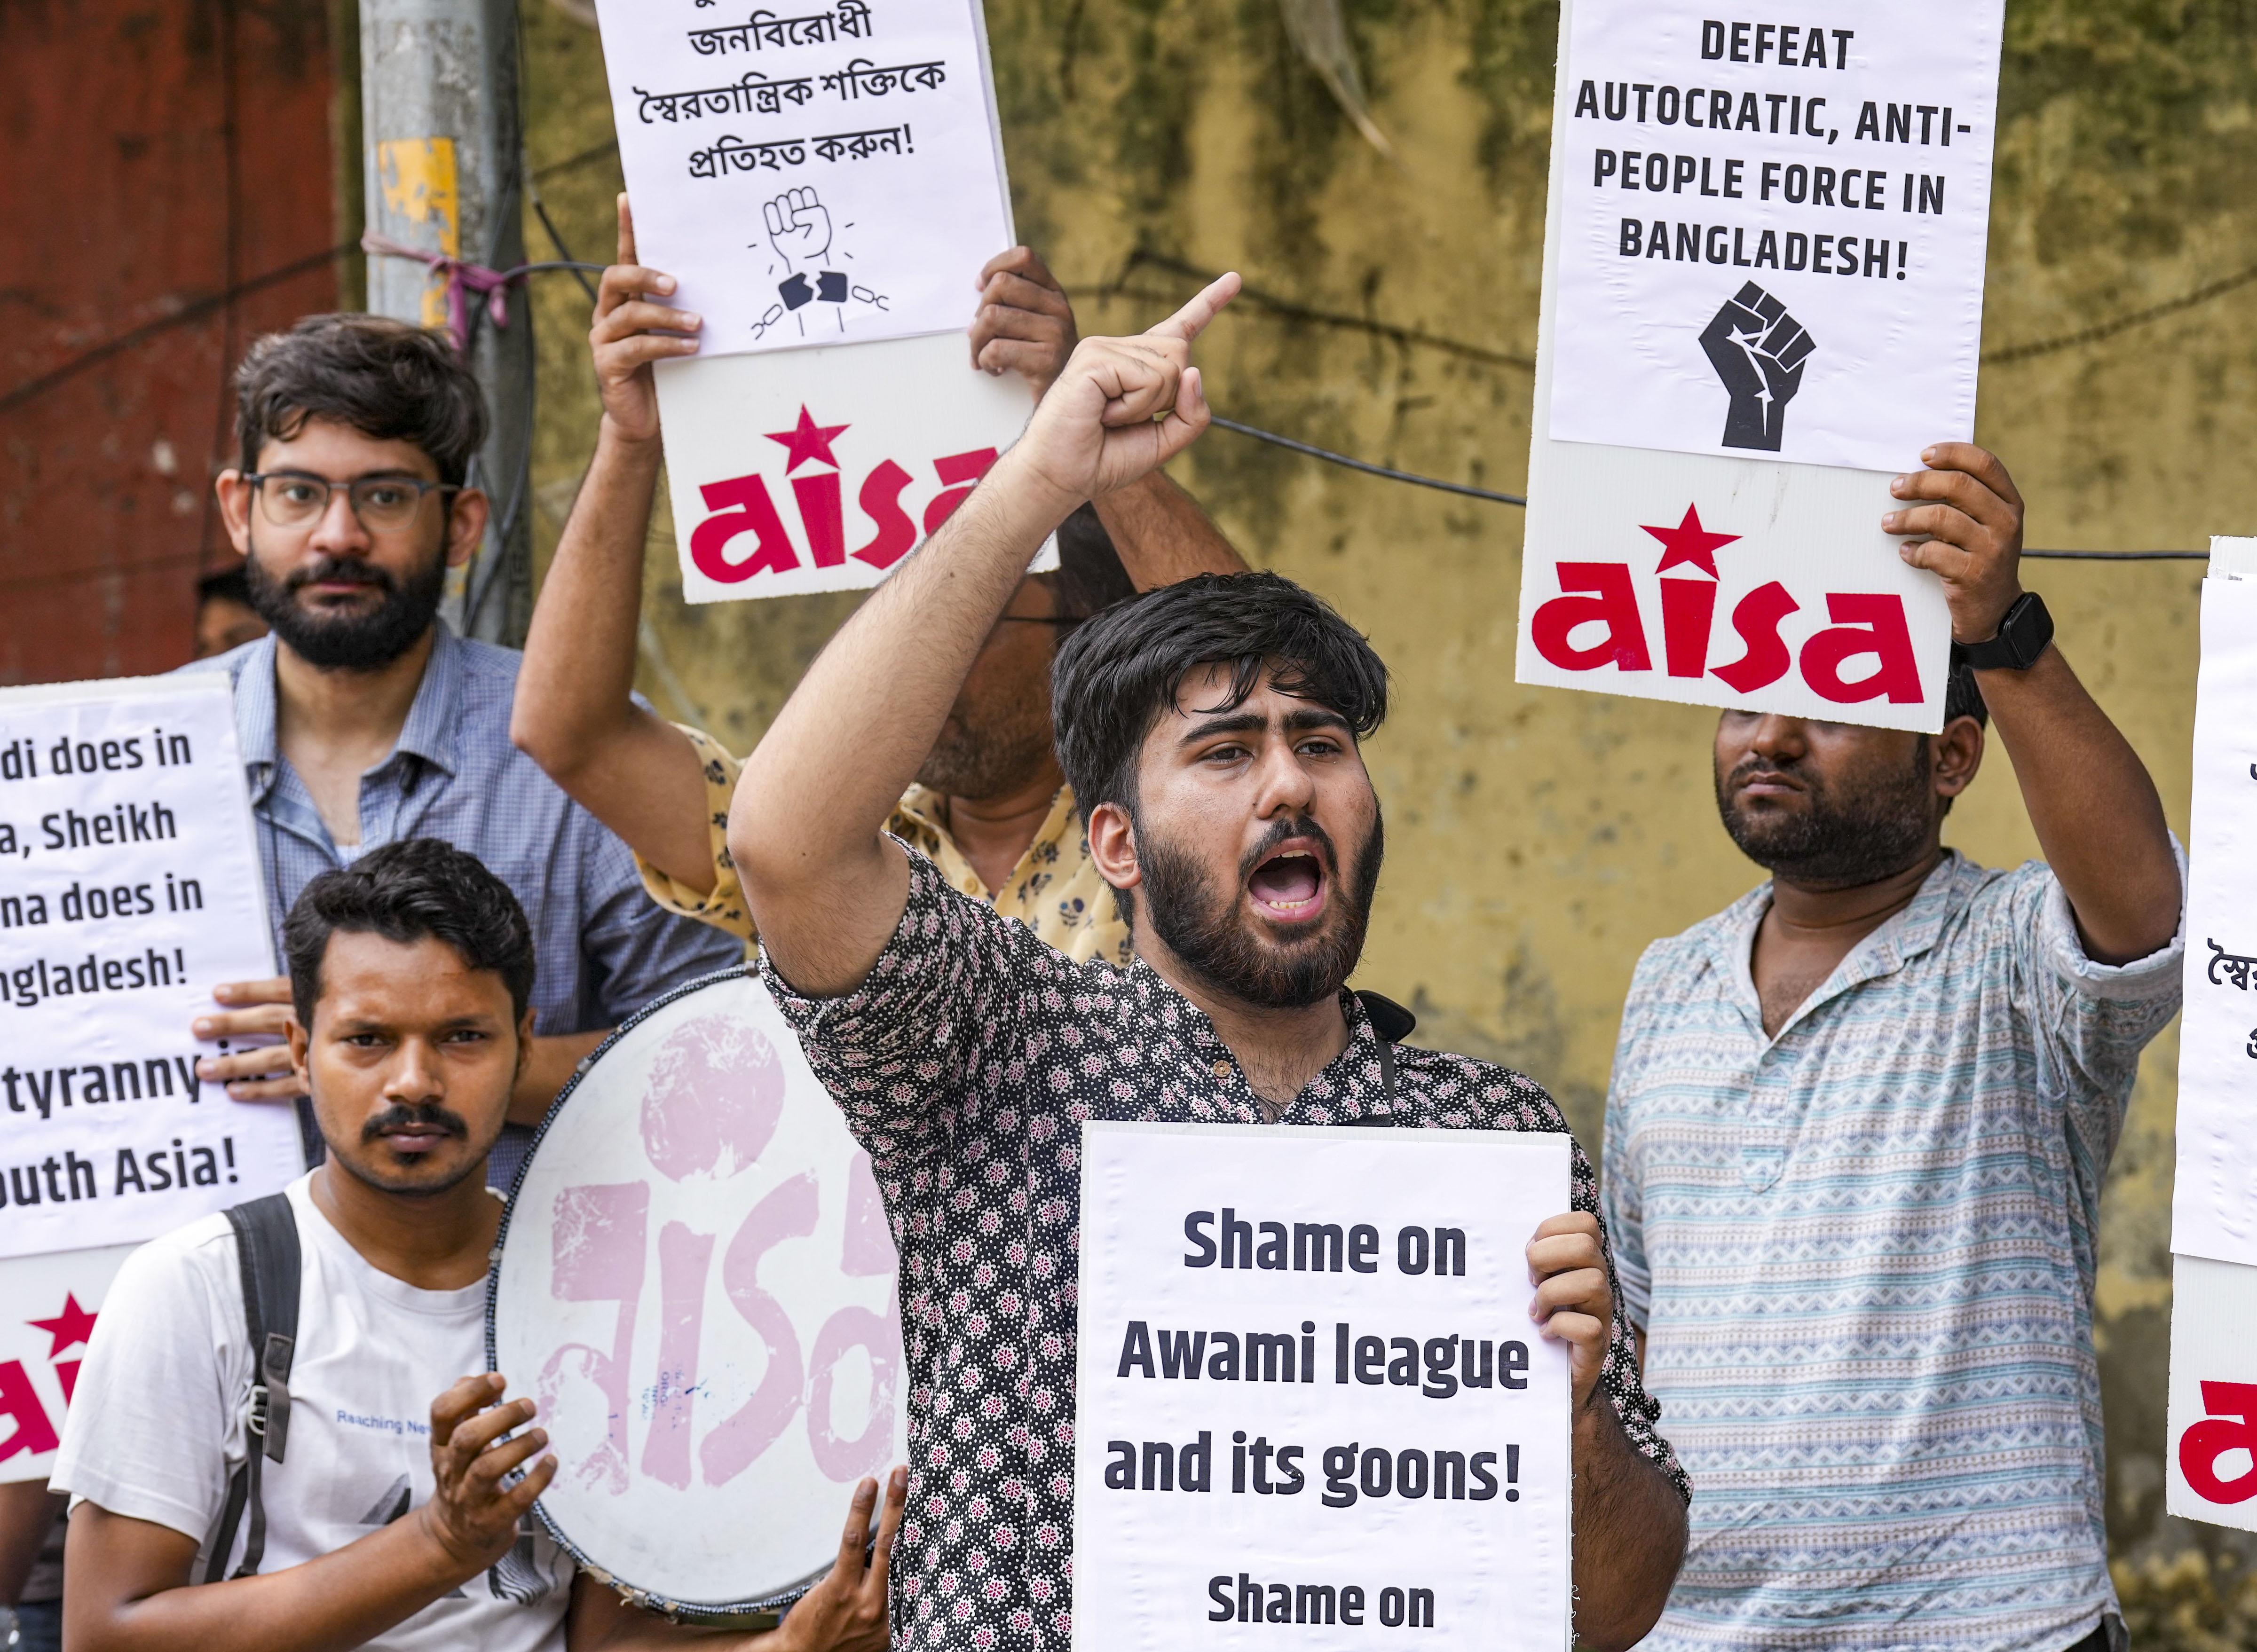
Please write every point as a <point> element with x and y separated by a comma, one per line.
<point>156,1423</point>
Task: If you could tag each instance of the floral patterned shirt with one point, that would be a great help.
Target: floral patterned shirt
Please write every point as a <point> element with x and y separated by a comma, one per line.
<point>1055,890</point>
<point>965,1063</point>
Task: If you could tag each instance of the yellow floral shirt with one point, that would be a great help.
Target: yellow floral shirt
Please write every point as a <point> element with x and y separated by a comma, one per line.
<point>1054,890</point>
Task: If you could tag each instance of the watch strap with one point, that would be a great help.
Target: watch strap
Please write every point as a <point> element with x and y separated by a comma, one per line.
<point>2024,631</point>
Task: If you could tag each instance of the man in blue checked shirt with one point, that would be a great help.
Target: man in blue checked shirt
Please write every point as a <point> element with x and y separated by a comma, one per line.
<point>1856,1140</point>
<point>364,719</point>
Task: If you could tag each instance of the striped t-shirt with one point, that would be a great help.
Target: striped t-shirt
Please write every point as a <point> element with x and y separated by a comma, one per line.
<point>1862,1254</point>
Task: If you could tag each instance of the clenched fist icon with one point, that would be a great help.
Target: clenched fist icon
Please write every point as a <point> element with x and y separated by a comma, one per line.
<point>1758,349</point>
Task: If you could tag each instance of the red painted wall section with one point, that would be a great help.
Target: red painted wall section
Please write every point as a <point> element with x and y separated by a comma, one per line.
<point>164,159</point>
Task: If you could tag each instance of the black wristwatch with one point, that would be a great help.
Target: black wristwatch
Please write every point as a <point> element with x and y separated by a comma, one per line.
<point>2022,637</point>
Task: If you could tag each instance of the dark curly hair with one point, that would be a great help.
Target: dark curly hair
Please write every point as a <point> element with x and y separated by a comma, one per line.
<point>1120,671</point>
<point>416,889</point>
<point>382,377</point>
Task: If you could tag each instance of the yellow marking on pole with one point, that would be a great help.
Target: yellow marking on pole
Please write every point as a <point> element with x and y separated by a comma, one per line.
<point>417,178</point>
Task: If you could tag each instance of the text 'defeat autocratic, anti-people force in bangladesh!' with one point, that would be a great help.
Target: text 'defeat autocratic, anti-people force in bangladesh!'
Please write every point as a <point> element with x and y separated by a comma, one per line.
<point>1773,232</point>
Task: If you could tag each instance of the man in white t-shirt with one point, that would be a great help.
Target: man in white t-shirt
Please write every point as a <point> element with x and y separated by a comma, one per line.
<point>394,1520</point>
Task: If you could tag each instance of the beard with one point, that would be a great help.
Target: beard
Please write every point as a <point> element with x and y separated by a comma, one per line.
<point>1238,955</point>
<point>984,752</point>
<point>1874,825</point>
<point>364,641</point>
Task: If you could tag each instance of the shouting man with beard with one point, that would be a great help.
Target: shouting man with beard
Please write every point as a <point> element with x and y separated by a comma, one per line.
<point>1210,730</point>
<point>364,719</point>
<point>1856,1140</point>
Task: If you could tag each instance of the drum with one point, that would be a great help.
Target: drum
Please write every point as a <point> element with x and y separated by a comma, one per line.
<point>695,1282</point>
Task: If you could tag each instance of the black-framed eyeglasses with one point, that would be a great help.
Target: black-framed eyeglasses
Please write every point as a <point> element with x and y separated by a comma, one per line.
<point>294,498</point>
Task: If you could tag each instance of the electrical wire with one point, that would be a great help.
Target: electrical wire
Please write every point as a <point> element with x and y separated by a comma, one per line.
<point>220,301</point>
<point>1330,457</point>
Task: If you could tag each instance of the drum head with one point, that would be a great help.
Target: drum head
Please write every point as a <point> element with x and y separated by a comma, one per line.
<point>696,1284</point>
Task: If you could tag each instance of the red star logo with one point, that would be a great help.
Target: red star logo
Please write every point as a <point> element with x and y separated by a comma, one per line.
<point>808,440</point>
<point>1689,542</point>
<point>68,1328</point>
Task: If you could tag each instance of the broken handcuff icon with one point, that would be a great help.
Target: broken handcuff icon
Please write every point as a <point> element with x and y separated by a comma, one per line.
<point>800,231</point>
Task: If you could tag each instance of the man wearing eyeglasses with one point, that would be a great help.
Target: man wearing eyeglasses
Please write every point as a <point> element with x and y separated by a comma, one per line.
<point>990,808</point>
<point>364,719</point>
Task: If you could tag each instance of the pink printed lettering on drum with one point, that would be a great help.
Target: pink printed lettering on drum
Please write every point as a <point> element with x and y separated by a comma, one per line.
<point>716,1093</point>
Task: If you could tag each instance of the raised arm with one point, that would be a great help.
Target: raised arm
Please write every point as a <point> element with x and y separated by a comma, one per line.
<point>1025,325</point>
<point>826,889</point>
<point>2098,818</point>
<point>575,714</point>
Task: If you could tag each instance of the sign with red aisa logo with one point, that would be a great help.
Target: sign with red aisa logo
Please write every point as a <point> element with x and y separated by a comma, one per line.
<point>2209,1459</point>
<point>819,470</point>
<point>1733,583</point>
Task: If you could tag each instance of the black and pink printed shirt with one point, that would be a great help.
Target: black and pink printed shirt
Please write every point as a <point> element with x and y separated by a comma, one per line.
<point>966,1064</point>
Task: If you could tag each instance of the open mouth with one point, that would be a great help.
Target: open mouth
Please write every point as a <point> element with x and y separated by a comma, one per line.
<point>1289,887</point>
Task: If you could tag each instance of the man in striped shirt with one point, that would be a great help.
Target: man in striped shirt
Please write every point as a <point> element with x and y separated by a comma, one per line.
<point>1856,1140</point>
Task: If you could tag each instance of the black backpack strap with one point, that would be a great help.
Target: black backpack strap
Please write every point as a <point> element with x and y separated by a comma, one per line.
<point>1390,1024</point>
<point>266,1249</point>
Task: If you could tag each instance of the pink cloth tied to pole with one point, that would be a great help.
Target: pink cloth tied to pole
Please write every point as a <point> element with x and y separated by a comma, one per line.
<point>462,276</point>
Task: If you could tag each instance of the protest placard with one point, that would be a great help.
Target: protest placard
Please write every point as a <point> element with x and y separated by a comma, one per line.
<point>131,889</point>
<point>1310,1394</point>
<point>2214,1196</point>
<point>1763,261</point>
<point>54,1301</point>
<point>2209,1470</point>
<point>820,469</point>
<point>830,175</point>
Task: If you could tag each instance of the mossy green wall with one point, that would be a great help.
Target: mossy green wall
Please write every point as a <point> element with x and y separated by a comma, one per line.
<point>1542,838</point>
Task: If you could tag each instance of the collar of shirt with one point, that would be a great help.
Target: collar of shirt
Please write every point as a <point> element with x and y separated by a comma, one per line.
<point>1352,1085</point>
<point>925,813</point>
<point>427,735</point>
<point>1900,939</point>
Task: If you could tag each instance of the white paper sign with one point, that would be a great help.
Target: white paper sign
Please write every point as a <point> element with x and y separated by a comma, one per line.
<point>2214,1200</point>
<point>827,173</point>
<point>2210,1465</point>
<point>820,469</point>
<point>1311,1402</point>
<point>1771,234</point>
<point>53,1304</point>
<point>129,888</point>
<point>1689,576</point>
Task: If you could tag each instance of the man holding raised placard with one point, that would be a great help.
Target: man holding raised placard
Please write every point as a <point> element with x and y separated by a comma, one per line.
<point>1856,1140</point>
<point>989,804</point>
<point>1210,730</point>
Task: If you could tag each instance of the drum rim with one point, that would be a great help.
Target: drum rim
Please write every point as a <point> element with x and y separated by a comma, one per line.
<point>649,1599</point>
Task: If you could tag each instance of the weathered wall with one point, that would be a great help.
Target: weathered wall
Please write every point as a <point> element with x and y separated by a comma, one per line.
<point>169,193</point>
<point>1541,838</point>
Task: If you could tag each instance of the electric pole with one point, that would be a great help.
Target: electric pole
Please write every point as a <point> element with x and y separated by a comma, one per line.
<point>443,162</point>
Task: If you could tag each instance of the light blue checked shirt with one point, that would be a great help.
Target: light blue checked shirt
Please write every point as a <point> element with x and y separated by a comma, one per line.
<point>1862,1254</point>
<point>602,949</point>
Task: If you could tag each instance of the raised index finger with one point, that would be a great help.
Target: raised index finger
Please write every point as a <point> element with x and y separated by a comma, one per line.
<point>626,231</point>
<point>1189,322</point>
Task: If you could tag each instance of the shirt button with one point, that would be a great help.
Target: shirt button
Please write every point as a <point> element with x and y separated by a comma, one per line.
<point>1222,1069</point>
